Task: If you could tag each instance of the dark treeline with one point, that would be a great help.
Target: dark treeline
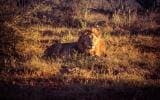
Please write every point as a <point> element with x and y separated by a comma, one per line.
<point>148,4</point>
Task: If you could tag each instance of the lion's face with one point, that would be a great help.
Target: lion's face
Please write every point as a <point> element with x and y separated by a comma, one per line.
<point>88,39</point>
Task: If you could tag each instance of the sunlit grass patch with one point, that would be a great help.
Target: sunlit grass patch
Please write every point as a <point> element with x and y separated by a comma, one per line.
<point>42,68</point>
<point>124,19</point>
<point>69,37</point>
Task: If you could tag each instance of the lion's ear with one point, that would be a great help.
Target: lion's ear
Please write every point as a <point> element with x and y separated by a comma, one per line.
<point>96,32</point>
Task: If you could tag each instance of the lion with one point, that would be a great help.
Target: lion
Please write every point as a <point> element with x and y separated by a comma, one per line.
<point>89,42</point>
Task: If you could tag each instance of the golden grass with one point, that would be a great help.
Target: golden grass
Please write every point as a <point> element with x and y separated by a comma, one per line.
<point>121,52</point>
<point>42,68</point>
<point>124,59</point>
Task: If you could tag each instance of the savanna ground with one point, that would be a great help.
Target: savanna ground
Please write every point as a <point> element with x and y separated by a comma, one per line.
<point>130,71</point>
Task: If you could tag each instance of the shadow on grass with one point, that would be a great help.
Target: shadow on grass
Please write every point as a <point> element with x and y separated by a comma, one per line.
<point>102,11</point>
<point>154,32</point>
<point>146,48</point>
<point>57,89</point>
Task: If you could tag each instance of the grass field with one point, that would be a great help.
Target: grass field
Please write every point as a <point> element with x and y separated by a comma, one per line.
<point>130,71</point>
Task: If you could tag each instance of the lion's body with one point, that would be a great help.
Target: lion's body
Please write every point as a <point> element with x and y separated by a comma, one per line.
<point>61,50</point>
<point>89,42</point>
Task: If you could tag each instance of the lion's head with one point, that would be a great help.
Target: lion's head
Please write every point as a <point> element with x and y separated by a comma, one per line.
<point>90,42</point>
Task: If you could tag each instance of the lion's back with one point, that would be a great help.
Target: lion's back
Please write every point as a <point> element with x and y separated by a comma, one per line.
<point>61,50</point>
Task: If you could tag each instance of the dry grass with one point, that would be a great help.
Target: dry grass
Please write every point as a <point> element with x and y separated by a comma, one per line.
<point>132,42</point>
